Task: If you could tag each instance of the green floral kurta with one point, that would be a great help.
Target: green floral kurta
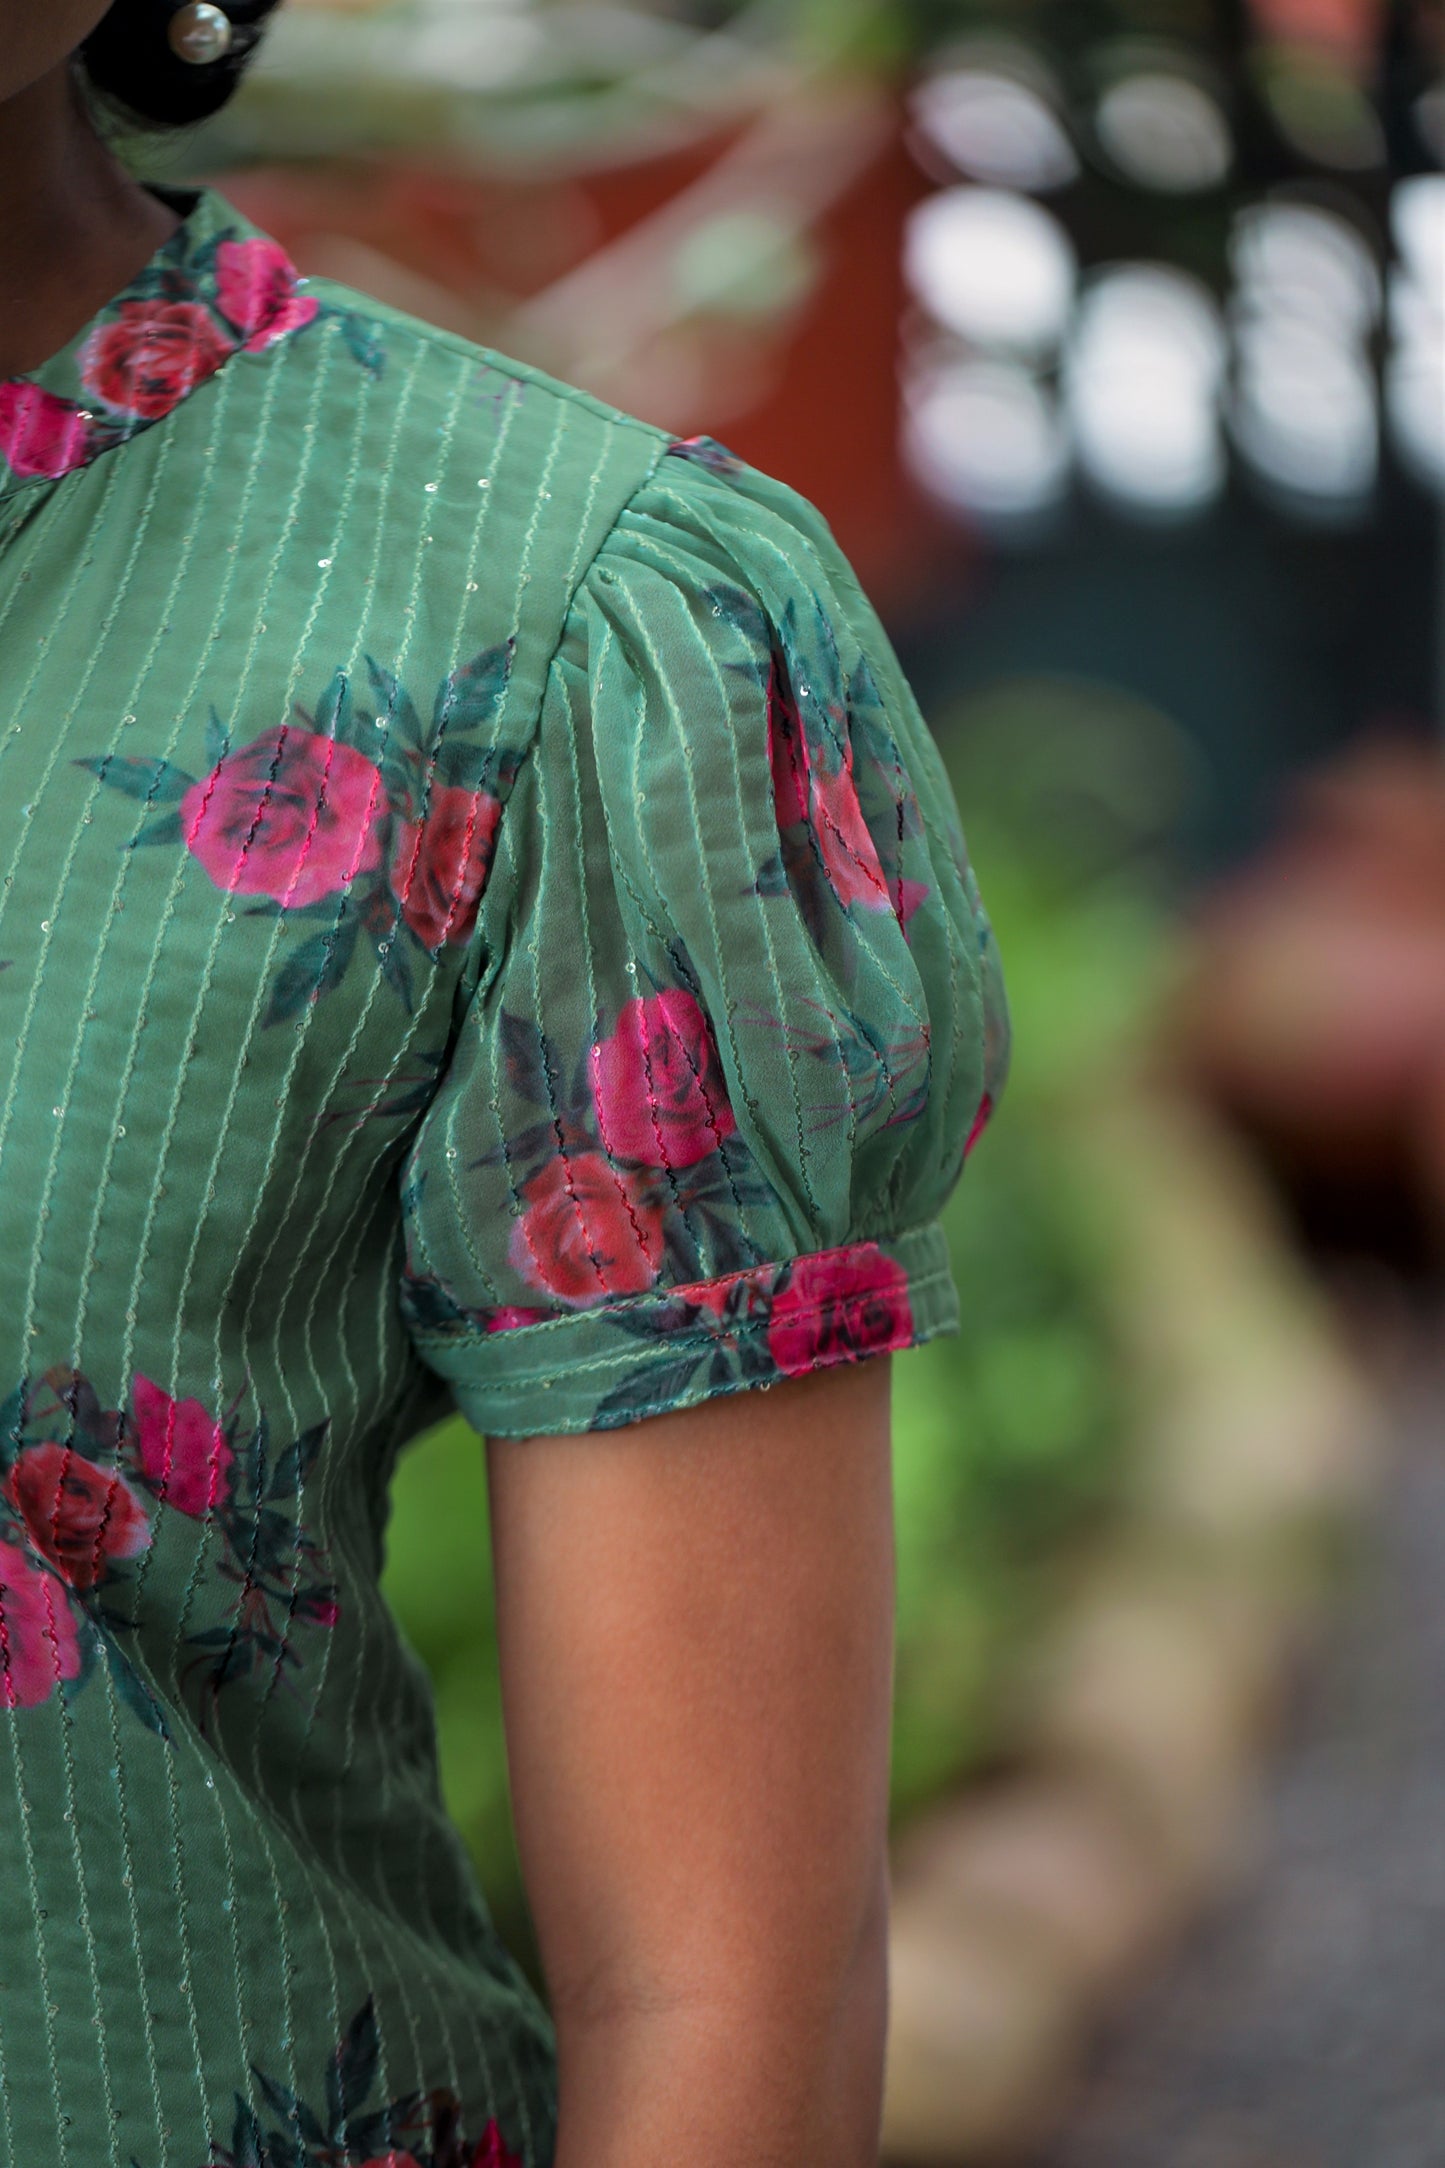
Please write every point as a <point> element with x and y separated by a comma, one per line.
<point>481,921</point>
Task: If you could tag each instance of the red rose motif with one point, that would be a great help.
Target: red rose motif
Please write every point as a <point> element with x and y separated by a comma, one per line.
<point>292,815</point>
<point>40,434</point>
<point>440,865</point>
<point>803,792</point>
<point>837,1307</point>
<point>787,754</point>
<point>587,1232</point>
<point>980,1122</point>
<point>711,1295</point>
<point>490,2152</point>
<point>183,1452</point>
<point>256,289</point>
<point>147,358</point>
<point>39,1645</point>
<point>850,857</point>
<point>76,1514</point>
<point>658,1084</point>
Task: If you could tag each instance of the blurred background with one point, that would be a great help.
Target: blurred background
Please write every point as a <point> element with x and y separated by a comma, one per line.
<point>1110,337</point>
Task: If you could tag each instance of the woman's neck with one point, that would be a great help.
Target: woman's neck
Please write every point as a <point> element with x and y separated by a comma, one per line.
<point>74,227</point>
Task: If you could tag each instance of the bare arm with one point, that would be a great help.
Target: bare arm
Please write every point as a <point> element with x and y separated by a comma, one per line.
<point>695,1619</point>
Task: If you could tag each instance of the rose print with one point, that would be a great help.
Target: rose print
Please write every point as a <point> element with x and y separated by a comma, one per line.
<point>706,451</point>
<point>491,2152</point>
<point>371,822</point>
<point>980,1122</point>
<point>343,2114</point>
<point>40,434</point>
<point>804,791</point>
<point>657,1083</point>
<point>787,754</point>
<point>292,815</point>
<point>837,1306</point>
<point>512,1316</point>
<point>185,1454</point>
<point>256,289</point>
<point>39,1644</point>
<point>588,1231</point>
<point>440,865</point>
<point>849,855</point>
<point>77,1515</point>
<point>144,361</point>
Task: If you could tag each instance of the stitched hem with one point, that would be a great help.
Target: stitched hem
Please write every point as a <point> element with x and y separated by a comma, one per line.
<point>580,1393</point>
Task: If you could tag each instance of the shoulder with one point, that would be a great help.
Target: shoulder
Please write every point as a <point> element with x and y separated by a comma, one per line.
<point>479,393</point>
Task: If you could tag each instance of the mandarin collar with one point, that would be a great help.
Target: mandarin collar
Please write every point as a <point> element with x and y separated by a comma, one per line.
<point>218,287</point>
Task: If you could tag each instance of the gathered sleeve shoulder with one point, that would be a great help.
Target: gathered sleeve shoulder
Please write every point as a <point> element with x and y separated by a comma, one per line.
<point>735,1017</point>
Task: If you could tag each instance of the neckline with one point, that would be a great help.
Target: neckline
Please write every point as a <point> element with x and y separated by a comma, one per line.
<point>217,286</point>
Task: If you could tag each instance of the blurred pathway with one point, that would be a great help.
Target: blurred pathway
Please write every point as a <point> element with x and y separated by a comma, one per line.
<point>1306,2027</point>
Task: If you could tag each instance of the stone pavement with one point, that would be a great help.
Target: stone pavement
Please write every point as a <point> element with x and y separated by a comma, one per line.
<point>1305,2026</point>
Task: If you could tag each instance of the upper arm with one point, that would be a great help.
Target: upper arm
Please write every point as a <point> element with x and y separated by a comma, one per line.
<point>695,1624</point>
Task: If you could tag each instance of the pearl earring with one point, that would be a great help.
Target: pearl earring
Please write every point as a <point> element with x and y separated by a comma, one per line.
<point>199,34</point>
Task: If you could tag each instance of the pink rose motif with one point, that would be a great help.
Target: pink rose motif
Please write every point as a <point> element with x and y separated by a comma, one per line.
<point>183,1452</point>
<point>980,1122</point>
<point>256,289</point>
<point>39,433</point>
<point>787,754</point>
<point>490,2152</point>
<point>76,1514</point>
<point>147,358</point>
<point>588,1231</point>
<point>512,1316</point>
<point>850,857</point>
<point>292,815</point>
<point>802,791</point>
<point>839,1306</point>
<point>39,1645</point>
<point>658,1084</point>
<point>710,1295</point>
<point>440,865</point>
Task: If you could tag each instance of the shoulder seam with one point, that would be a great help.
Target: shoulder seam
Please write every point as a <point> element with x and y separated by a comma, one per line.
<point>456,342</point>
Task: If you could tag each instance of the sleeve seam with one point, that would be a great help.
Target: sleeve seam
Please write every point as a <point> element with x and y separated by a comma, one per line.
<point>469,1335</point>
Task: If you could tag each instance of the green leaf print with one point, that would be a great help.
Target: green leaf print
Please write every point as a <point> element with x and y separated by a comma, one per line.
<point>149,780</point>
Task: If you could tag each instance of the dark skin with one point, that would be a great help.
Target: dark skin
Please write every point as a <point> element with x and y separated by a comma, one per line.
<point>695,1612</point>
<point>74,227</point>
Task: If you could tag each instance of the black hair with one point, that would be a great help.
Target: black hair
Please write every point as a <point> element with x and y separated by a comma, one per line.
<point>128,61</point>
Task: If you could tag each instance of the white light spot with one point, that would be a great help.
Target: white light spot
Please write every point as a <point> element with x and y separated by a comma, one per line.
<point>1142,379</point>
<point>1417,221</point>
<point>994,128</point>
<point>1304,409</point>
<point>1164,132</point>
<point>1299,258</point>
<point>984,437</point>
<point>993,267</point>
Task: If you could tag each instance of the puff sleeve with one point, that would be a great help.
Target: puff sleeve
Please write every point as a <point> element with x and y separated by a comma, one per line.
<point>735,1016</point>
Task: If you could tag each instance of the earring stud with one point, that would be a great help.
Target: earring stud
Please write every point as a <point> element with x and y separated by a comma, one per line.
<point>199,33</point>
